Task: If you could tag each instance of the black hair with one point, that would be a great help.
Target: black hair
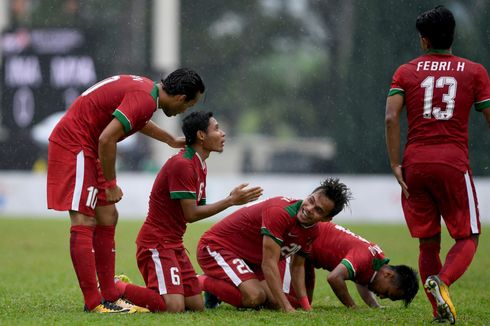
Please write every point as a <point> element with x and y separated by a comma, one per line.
<point>184,81</point>
<point>407,281</point>
<point>437,25</point>
<point>191,124</point>
<point>336,191</point>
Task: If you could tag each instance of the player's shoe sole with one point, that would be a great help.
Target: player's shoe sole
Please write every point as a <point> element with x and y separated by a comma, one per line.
<point>107,307</point>
<point>440,292</point>
<point>211,301</point>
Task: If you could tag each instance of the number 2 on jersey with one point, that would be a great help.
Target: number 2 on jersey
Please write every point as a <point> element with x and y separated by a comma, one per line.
<point>448,98</point>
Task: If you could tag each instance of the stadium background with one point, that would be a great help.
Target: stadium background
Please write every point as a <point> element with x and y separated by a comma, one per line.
<point>299,86</point>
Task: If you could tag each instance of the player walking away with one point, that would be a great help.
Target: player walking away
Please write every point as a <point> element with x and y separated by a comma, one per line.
<point>81,168</point>
<point>178,197</point>
<point>350,257</point>
<point>239,255</point>
<point>438,90</point>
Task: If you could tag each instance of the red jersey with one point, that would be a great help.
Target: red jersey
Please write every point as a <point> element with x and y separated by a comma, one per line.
<point>439,91</point>
<point>130,99</point>
<point>338,245</point>
<point>242,231</point>
<point>182,177</point>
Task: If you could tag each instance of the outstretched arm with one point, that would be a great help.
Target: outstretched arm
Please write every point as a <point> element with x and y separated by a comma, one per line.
<point>394,106</point>
<point>152,130</point>
<point>238,196</point>
<point>298,281</point>
<point>271,252</point>
<point>337,279</point>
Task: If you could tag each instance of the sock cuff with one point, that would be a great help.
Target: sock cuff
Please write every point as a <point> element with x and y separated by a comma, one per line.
<point>430,246</point>
<point>82,229</point>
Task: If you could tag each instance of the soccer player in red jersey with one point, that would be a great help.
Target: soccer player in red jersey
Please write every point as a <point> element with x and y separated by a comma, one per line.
<point>81,167</point>
<point>438,90</point>
<point>178,197</point>
<point>239,255</point>
<point>348,256</point>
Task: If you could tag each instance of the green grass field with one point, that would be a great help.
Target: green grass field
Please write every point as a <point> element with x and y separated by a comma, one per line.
<point>38,284</point>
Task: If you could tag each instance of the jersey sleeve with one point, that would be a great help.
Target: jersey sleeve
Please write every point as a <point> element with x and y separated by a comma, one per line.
<point>396,86</point>
<point>182,181</point>
<point>275,222</point>
<point>135,110</point>
<point>482,88</point>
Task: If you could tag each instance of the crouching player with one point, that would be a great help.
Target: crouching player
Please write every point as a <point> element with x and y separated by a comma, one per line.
<point>239,255</point>
<point>350,257</point>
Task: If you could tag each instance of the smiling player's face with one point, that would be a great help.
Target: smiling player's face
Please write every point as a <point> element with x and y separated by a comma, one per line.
<point>315,208</point>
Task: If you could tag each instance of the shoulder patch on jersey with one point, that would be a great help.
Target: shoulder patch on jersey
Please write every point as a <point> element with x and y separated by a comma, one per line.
<point>294,208</point>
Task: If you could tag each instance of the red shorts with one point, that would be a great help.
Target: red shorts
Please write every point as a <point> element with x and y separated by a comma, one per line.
<point>168,271</point>
<point>74,181</point>
<point>440,190</point>
<point>223,264</point>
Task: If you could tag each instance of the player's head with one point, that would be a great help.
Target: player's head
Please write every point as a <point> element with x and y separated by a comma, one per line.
<point>183,88</point>
<point>437,26</point>
<point>396,283</point>
<point>326,201</point>
<point>201,128</point>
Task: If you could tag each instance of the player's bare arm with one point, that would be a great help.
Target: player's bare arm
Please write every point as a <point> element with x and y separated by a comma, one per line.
<point>486,113</point>
<point>394,106</point>
<point>107,156</point>
<point>238,196</point>
<point>367,296</point>
<point>337,280</point>
<point>271,252</point>
<point>298,281</point>
<point>152,130</point>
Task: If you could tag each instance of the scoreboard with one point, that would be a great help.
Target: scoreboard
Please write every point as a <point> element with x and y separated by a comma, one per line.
<point>43,71</point>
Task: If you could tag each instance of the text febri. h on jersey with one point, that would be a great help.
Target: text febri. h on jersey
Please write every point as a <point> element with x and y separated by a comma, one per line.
<point>438,66</point>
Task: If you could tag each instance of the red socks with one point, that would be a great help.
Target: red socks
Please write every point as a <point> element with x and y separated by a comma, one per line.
<point>429,264</point>
<point>223,290</point>
<point>144,297</point>
<point>105,260</point>
<point>83,259</point>
<point>458,260</point>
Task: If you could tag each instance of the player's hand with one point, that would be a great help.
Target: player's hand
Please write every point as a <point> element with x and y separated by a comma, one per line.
<point>177,142</point>
<point>242,195</point>
<point>113,194</point>
<point>397,172</point>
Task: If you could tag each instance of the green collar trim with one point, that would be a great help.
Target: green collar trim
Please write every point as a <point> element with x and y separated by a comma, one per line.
<point>377,263</point>
<point>438,51</point>
<point>154,92</point>
<point>189,152</point>
<point>294,208</point>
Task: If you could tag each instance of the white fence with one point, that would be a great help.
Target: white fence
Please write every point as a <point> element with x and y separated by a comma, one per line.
<point>376,197</point>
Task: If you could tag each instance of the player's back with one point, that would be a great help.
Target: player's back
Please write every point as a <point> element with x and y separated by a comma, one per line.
<point>440,90</point>
<point>93,110</point>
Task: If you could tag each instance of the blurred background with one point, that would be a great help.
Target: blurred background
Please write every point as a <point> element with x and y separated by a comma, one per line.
<point>299,86</point>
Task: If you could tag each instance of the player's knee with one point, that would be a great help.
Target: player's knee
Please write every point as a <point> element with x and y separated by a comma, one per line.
<point>175,306</point>
<point>254,298</point>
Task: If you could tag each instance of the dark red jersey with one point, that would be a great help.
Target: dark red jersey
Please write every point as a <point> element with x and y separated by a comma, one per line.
<point>242,231</point>
<point>182,177</point>
<point>337,245</point>
<point>130,99</point>
<point>439,91</point>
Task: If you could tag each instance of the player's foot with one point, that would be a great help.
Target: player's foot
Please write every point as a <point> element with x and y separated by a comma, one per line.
<point>440,291</point>
<point>124,303</point>
<point>107,307</point>
<point>122,278</point>
<point>211,301</point>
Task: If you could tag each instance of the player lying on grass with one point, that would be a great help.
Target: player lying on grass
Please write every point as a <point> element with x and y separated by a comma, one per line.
<point>350,257</point>
<point>239,255</point>
<point>178,197</point>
